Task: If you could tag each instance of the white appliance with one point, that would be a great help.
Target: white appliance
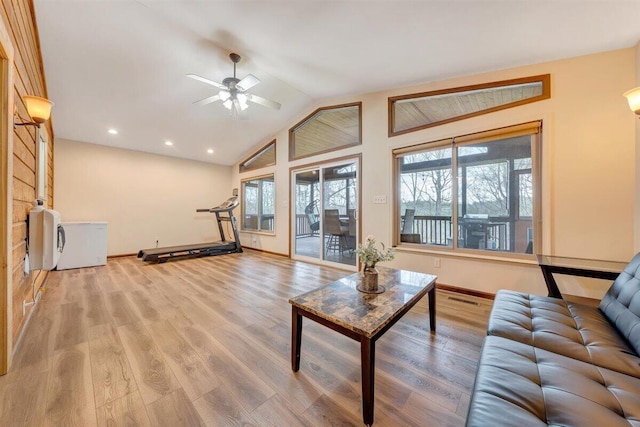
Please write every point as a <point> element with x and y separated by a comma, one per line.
<point>46,238</point>
<point>86,245</point>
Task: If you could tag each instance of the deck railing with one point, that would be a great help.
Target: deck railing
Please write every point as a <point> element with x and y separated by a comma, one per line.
<point>437,230</point>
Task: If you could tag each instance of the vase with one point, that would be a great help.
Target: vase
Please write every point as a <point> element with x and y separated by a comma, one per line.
<point>370,279</point>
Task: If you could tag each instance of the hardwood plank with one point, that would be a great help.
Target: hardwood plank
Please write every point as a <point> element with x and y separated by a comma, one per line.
<point>72,329</point>
<point>152,374</point>
<point>23,398</point>
<point>95,309</point>
<point>121,311</point>
<point>174,410</point>
<point>326,412</point>
<point>127,411</point>
<point>463,406</point>
<point>142,302</point>
<point>194,376</point>
<point>420,409</point>
<point>219,408</point>
<point>299,392</point>
<point>111,373</point>
<point>276,412</point>
<point>70,392</point>
<point>247,387</point>
<point>210,339</point>
<point>36,347</point>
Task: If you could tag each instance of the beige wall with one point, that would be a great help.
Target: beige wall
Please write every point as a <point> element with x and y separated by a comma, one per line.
<point>144,197</point>
<point>588,171</point>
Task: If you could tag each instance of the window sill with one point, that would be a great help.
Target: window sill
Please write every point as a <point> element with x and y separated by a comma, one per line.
<point>523,259</point>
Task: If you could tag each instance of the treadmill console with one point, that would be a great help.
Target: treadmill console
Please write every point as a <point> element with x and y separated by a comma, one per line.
<point>230,202</point>
<point>227,206</point>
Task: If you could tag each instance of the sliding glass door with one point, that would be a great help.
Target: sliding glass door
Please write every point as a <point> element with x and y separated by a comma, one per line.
<point>325,211</point>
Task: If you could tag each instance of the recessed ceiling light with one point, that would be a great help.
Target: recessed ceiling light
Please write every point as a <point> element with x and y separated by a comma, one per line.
<point>112,131</point>
<point>210,151</point>
<point>168,143</point>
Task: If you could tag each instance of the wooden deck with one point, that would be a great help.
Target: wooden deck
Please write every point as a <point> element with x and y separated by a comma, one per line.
<point>207,342</point>
<point>310,246</point>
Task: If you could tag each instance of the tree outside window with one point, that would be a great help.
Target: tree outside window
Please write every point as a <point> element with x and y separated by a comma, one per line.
<point>258,204</point>
<point>494,189</point>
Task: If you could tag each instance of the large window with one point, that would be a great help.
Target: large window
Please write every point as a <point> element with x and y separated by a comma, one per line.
<point>258,204</point>
<point>474,192</point>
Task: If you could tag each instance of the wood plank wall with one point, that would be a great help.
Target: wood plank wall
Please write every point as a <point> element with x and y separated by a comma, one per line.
<point>29,79</point>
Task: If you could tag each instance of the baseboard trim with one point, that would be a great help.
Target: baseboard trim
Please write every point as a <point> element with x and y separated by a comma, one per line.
<point>266,252</point>
<point>465,291</point>
<point>121,255</point>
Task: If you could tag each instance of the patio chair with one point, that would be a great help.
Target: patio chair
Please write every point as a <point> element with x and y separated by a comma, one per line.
<point>336,231</point>
<point>311,212</point>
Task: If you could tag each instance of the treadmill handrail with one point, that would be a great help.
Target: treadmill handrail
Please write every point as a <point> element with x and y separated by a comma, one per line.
<point>230,204</point>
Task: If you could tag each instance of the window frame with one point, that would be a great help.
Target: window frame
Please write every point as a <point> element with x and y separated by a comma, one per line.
<point>259,229</point>
<point>302,123</point>
<point>250,159</point>
<point>545,79</point>
<point>467,140</point>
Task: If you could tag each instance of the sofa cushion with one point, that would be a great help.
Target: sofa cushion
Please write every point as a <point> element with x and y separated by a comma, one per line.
<point>574,330</point>
<point>520,385</point>
<point>621,303</point>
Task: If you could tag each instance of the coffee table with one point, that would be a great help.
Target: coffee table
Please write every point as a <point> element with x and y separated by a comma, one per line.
<point>362,317</point>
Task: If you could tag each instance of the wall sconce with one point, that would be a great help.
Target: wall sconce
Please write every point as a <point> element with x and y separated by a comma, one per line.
<point>39,109</point>
<point>633,97</point>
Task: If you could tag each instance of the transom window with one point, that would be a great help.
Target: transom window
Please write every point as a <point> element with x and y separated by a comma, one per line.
<point>264,157</point>
<point>326,129</point>
<point>258,204</point>
<point>409,113</point>
<point>474,192</point>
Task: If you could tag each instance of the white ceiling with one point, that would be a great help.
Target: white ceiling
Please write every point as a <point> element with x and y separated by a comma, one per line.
<point>122,63</point>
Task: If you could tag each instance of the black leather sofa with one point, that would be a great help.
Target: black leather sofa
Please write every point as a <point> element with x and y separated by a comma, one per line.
<point>550,362</point>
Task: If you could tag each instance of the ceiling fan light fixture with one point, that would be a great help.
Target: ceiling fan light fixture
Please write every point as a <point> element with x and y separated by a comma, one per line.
<point>233,91</point>
<point>242,100</point>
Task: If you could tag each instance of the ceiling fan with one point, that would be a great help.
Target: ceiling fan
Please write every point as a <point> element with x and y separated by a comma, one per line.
<point>233,91</point>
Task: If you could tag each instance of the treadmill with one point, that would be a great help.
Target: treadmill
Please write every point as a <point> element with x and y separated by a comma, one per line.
<point>222,247</point>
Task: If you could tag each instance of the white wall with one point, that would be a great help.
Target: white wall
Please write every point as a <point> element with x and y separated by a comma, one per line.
<point>589,177</point>
<point>144,197</point>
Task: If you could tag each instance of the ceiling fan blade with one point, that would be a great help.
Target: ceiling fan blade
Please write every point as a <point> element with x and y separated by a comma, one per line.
<point>248,82</point>
<point>264,101</point>
<point>207,81</point>
<point>207,100</point>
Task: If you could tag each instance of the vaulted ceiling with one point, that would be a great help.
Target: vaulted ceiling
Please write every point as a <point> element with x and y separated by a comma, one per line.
<point>122,63</point>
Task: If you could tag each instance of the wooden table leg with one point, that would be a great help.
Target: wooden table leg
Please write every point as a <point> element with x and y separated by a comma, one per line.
<point>296,338</point>
<point>432,309</point>
<point>368,357</point>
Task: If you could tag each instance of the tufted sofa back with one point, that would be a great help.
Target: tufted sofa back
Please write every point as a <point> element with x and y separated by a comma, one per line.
<point>621,303</point>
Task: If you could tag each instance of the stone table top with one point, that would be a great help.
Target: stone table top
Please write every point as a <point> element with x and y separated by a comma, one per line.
<point>366,314</point>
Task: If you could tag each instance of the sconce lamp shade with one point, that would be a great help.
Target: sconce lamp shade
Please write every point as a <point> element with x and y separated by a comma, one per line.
<point>633,97</point>
<point>38,108</point>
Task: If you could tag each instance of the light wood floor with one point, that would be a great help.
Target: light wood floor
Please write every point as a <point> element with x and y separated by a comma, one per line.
<point>207,342</point>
